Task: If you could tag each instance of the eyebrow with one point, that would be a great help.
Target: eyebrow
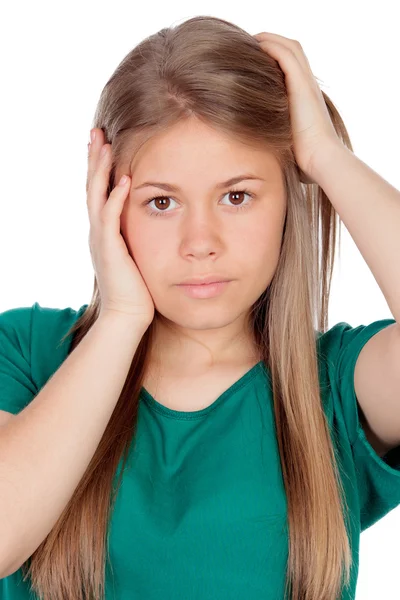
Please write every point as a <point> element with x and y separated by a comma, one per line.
<point>174,188</point>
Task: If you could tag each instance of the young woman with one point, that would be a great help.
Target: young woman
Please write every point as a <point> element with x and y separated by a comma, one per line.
<point>203,434</point>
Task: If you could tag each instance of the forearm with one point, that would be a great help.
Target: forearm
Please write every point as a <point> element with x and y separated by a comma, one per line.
<point>47,447</point>
<point>369,207</point>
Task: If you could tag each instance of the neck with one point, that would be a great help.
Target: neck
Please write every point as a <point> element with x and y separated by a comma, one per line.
<point>193,352</point>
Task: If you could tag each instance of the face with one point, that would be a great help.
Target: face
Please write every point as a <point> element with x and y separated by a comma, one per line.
<point>201,228</point>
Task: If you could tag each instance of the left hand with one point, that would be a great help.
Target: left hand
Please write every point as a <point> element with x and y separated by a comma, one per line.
<point>310,120</point>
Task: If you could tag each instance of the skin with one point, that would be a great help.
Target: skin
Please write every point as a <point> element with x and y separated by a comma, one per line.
<point>200,232</point>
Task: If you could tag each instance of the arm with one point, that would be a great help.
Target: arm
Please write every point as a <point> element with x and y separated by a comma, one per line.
<point>47,447</point>
<point>369,207</point>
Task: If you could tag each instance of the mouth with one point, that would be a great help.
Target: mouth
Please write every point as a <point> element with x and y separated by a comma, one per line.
<point>204,290</point>
<point>209,283</point>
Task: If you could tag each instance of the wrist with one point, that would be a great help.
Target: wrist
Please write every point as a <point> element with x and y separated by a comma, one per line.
<point>125,320</point>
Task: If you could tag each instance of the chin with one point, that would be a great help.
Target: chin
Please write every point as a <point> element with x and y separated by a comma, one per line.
<point>202,316</point>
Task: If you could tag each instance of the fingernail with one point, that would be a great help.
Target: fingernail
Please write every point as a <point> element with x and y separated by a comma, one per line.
<point>92,135</point>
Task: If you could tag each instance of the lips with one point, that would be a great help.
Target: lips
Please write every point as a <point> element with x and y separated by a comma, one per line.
<point>206,290</point>
<point>204,280</point>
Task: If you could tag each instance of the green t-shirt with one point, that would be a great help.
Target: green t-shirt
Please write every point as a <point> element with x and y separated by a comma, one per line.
<point>201,512</point>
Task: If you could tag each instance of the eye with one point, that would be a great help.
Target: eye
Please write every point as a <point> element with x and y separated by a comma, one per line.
<point>237,193</point>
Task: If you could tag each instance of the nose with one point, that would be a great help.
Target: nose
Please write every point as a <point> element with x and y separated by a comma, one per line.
<point>201,233</point>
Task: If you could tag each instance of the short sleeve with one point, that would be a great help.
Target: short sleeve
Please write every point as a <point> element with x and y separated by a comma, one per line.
<point>31,350</point>
<point>16,386</point>
<point>378,478</point>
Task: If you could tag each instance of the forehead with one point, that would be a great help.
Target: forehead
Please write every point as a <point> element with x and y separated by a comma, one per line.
<point>191,146</point>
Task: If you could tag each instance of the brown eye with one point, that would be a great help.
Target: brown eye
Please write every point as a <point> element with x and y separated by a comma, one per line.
<point>163,202</point>
<point>238,196</point>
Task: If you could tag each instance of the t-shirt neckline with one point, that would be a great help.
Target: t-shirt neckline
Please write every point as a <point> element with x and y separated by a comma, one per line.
<point>153,404</point>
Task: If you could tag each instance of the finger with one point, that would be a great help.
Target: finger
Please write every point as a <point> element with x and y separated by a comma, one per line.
<point>98,184</point>
<point>290,44</point>
<point>93,155</point>
<point>111,213</point>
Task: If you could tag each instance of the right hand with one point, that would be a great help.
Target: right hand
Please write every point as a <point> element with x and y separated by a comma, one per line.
<point>122,287</point>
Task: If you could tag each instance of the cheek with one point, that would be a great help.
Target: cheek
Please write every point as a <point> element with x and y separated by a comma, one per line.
<point>258,251</point>
<point>144,246</point>
<point>261,241</point>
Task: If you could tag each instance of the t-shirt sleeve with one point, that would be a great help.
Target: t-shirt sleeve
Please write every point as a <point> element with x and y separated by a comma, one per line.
<point>31,350</point>
<point>378,478</point>
<point>17,388</point>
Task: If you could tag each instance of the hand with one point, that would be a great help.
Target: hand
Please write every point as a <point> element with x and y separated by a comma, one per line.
<point>122,288</point>
<point>310,120</point>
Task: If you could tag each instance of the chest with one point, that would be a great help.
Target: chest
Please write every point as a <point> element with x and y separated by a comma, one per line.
<point>201,512</point>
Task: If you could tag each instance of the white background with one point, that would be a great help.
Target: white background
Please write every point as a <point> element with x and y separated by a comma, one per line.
<point>55,59</point>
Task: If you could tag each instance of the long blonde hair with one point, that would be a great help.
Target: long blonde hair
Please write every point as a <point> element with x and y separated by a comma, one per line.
<point>213,69</point>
